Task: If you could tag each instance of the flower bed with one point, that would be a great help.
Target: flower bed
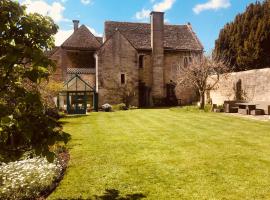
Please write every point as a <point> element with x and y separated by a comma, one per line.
<point>30,178</point>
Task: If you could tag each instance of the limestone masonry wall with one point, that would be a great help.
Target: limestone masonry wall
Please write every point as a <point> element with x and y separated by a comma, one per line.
<point>146,73</point>
<point>116,57</point>
<point>172,61</point>
<point>255,86</point>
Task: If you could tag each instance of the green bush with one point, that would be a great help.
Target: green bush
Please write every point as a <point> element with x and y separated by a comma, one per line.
<point>193,108</point>
<point>133,107</point>
<point>27,121</point>
<point>106,107</point>
<point>120,106</point>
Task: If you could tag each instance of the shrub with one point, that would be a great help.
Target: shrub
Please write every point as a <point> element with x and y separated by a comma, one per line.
<point>133,107</point>
<point>106,107</point>
<point>192,109</point>
<point>28,119</point>
<point>120,106</point>
<point>26,179</point>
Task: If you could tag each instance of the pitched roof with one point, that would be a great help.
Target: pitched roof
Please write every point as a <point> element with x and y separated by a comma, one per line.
<point>82,39</point>
<point>100,39</point>
<point>51,52</point>
<point>112,37</point>
<point>176,37</point>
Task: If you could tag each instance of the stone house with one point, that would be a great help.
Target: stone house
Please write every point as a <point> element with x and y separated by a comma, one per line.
<point>138,58</point>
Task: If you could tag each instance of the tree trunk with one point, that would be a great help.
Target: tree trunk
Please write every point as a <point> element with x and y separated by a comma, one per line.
<point>202,100</point>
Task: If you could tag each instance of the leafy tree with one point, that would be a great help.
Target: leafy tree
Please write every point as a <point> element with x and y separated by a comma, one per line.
<point>26,121</point>
<point>245,42</point>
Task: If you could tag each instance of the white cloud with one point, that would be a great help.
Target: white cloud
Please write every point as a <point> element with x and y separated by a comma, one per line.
<point>161,6</point>
<point>94,31</point>
<point>164,5</point>
<point>211,5</point>
<point>54,10</point>
<point>85,2</point>
<point>143,14</point>
<point>62,35</point>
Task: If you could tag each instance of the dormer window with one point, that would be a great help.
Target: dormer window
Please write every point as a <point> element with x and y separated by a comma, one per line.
<point>141,58</point>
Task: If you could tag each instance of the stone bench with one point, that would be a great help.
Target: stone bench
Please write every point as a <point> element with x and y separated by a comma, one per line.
<point>231,106</point>
<point>243,111</point>
<point>265,106</point>
<point>257,112</point>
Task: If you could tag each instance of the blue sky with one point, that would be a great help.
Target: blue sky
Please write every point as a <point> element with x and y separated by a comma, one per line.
<point>206,16</point>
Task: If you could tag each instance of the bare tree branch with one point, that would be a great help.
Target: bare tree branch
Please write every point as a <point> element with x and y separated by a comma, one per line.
<point>203,74</point>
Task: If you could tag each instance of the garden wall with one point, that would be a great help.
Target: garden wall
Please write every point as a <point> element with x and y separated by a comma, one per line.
<point>252,85</point>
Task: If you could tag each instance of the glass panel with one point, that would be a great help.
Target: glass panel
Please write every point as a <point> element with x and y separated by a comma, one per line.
<point>76,84</point>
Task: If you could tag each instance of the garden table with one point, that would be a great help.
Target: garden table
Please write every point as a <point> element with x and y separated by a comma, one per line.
<point>245,108</point>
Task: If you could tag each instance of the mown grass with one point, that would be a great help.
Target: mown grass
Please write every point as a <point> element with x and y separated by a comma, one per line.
<point>166,154</point>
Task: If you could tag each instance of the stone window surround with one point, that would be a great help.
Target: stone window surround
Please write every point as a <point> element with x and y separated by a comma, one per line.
<point>124,76</point>
<point>187,60</point>
<point>143,60</point>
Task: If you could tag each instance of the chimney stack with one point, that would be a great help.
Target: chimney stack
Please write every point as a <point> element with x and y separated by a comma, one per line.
<point>76,24</point>
<point>157,44</point>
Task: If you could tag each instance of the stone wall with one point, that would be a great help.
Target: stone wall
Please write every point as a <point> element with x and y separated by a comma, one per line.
<point>146,73</point>
<point>117,56</point>
<point>172,61</point>
<point>254,84</point>
<point>56,57</point>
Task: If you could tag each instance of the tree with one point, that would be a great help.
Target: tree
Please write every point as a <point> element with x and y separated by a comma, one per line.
<point>245,41</point>
<point>202,74</point>
<point>127,94</point>
<point>25,120</point>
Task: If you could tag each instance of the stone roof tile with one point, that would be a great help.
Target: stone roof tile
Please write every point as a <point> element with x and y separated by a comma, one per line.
<point>176,37</point>
<point>82,39</point>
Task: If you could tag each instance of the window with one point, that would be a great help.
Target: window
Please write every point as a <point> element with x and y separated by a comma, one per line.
<point>190,59</point>
<point>123,79</point>
<point>141,61</point>
<point>185,62</point>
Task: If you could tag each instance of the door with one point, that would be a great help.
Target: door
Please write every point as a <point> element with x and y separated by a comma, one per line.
<point>171,99</point>
<point>144,95</point>
<point>76,102</point>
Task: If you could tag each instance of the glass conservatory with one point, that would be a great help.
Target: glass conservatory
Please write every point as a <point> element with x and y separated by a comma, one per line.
<point>77,97</point>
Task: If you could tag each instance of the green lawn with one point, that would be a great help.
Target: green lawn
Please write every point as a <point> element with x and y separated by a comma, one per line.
<point>166,154</point>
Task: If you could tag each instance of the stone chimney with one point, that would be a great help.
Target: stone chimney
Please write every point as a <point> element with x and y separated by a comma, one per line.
<point>76,24</point>
<point>157,44</point>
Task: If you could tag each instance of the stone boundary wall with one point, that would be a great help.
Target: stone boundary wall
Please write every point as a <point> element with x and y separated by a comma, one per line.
<point>253,85</point>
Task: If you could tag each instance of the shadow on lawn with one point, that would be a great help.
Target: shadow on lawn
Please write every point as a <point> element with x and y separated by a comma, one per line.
<point>113,194</point>
<point>75,116</point>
